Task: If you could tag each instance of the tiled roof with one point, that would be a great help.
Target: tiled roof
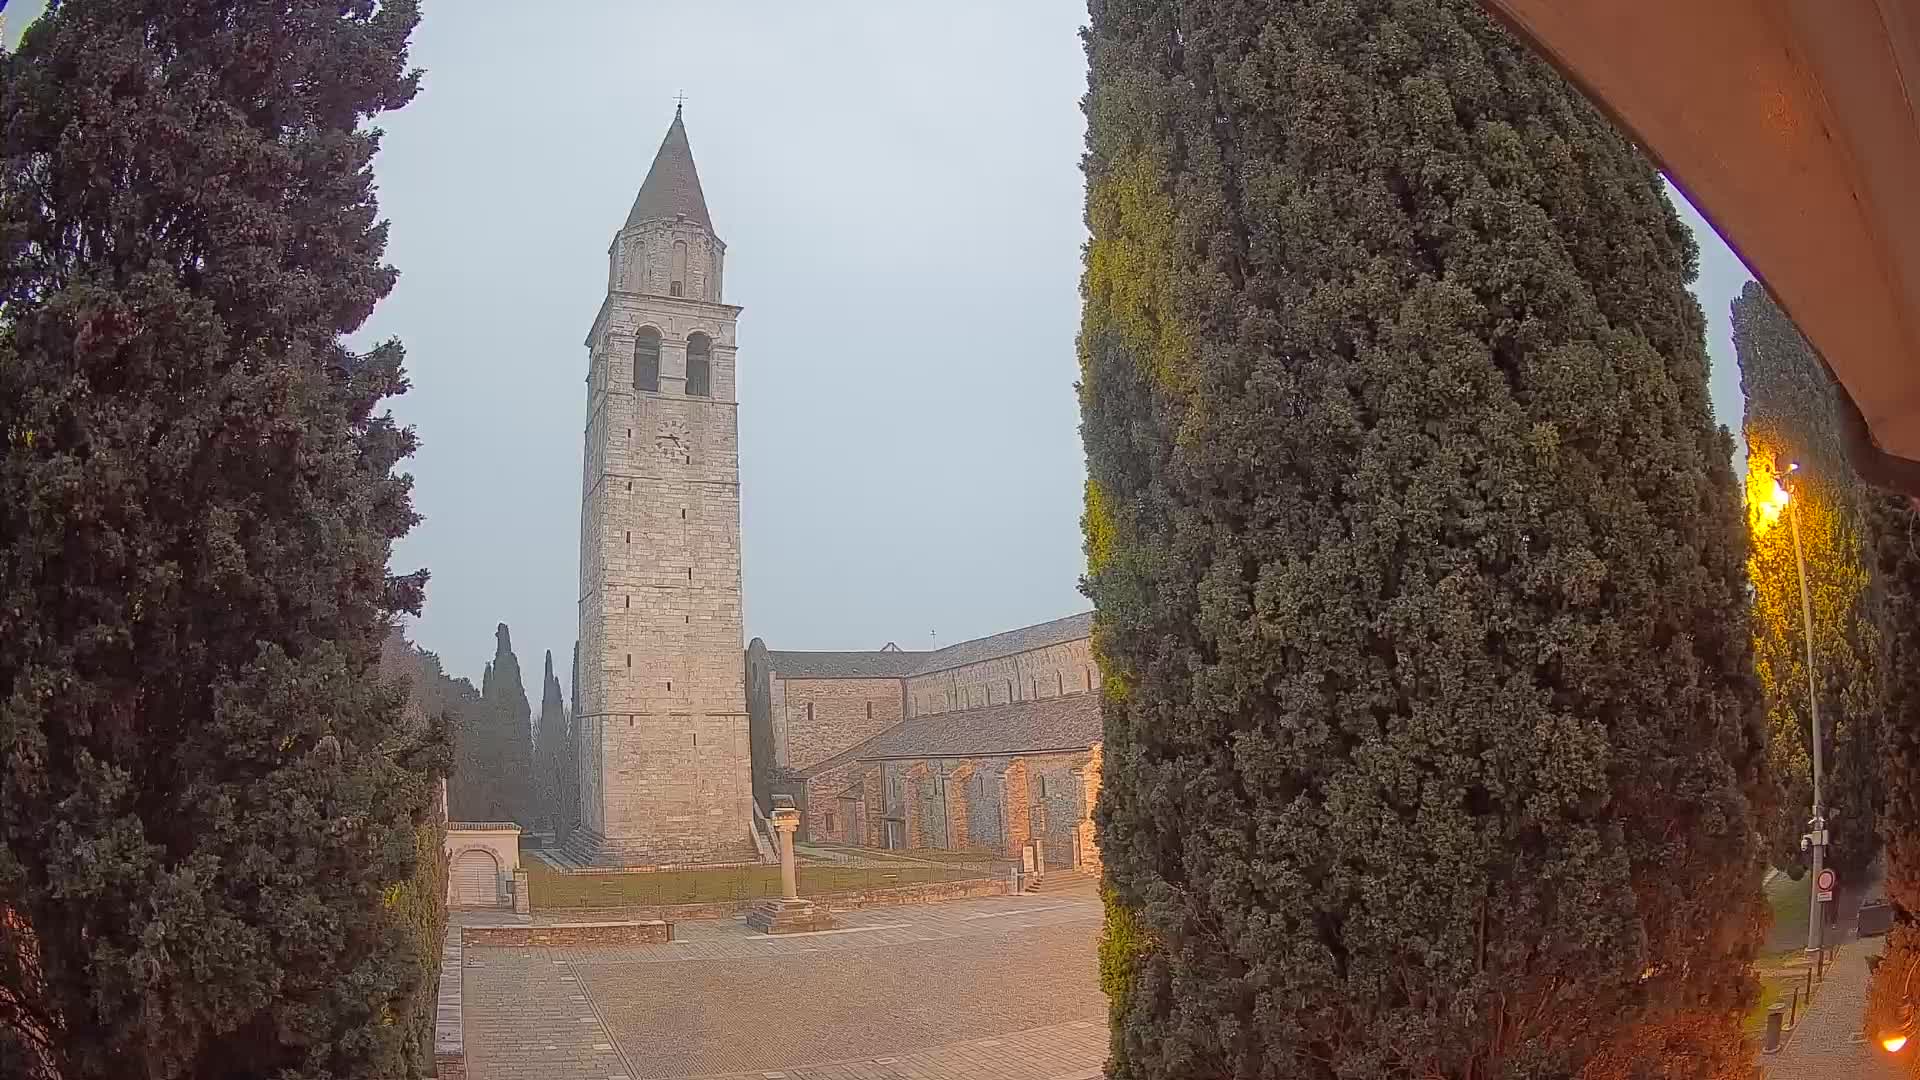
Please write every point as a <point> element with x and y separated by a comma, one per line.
<point>1025,639</point>
<point>893,664</point>
<point>1022,727</point>
<point>672,186</point>
<point>843,665</point>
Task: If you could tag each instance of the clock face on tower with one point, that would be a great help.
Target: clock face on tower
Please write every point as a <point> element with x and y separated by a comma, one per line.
<point>672,441</point>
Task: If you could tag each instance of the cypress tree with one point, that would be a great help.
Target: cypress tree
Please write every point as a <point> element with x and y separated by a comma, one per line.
<point>508,740</point>
<point>210,790</point>
<point>1432,741</point>
<point>550,742</point>
<point>1791,417</point>
<point>1893,524</point>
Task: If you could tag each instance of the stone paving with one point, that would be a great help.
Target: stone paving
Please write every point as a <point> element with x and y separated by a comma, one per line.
<point>999,989</point>
<point>1827,1043</point>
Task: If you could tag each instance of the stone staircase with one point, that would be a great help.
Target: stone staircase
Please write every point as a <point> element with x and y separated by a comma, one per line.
<point>1060,881</point>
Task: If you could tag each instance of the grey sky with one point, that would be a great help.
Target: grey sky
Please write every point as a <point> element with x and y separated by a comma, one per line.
<point>898,185</point>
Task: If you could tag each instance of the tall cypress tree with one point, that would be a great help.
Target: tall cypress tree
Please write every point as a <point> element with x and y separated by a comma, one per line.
<point>209,790</point>
<point>1432,739</point>
<point>550,745</point>
<point>1893,524</point>
<point>1791,417</point>
<point>509,736</point>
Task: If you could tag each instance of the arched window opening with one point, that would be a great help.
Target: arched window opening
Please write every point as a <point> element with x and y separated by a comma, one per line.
<point>646,360</point>
<point>699,366</point>
<point>678,287</point>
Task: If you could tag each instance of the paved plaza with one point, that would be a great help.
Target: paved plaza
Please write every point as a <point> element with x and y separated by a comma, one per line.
<point>996,989</point>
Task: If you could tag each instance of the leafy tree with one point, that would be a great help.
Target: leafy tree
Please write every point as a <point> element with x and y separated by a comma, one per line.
<point>1791,418</point>
<point>551,742</point>
<point>209,789</point>
<point>1432,742</point>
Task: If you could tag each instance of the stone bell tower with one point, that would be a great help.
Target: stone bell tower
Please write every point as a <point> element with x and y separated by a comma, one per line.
<point>665,773</point>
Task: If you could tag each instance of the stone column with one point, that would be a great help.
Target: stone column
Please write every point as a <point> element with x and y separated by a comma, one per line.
<point>789,914</point>
<point>786,822</point>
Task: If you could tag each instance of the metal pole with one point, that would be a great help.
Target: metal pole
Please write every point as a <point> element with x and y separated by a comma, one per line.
<point>1817,850</point>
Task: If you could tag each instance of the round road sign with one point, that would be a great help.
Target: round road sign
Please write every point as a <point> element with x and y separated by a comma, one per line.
<point>1825,881</point>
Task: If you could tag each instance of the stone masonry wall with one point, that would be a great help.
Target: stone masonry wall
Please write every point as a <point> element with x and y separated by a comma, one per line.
<point>1066,668</point>
<point>825,716</point>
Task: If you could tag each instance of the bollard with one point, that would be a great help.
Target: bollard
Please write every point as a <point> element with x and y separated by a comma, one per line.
<point>1775,1012</point>
<point>1793,1013</point>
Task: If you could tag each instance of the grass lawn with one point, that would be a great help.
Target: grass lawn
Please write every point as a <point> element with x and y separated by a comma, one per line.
<point>551,889</point>
<point>1778,982</point>
<point>1790,901</point>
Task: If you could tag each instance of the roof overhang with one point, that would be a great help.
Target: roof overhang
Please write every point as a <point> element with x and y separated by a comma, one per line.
<point>1791,125</point>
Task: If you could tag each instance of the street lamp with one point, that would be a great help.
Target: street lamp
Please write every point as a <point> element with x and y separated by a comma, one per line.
<point>1815,841</point>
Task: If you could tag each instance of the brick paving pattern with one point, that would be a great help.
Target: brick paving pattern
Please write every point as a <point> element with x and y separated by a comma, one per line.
<point>1827,1043</point>
<point>998,989</point>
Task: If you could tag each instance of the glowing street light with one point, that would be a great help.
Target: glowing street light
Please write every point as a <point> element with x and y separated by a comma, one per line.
<point>1894,1043</point>
<point>1815,841</point>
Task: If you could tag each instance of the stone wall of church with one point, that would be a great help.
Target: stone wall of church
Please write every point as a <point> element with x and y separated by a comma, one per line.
<point>818,718</point>
<point>1066,668</point>
<point>995,804</point>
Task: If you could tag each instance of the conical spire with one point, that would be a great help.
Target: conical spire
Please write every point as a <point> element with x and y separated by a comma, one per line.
<point>672,186</point>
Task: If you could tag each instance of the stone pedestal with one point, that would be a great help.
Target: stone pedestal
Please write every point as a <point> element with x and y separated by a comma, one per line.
<point>788,917</point>
<point>789,914</point>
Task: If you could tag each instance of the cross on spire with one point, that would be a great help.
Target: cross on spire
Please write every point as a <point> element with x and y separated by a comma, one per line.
<point>679,102</point>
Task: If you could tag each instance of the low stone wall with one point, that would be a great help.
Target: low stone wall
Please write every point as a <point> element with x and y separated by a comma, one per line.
<point>571,934</point>
<point>449,1036</point>
<point>926,893</point>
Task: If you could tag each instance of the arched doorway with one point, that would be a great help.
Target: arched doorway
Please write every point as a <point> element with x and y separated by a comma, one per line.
<point>476,879</point>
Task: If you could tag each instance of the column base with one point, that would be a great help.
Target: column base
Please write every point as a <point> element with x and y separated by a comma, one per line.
<point>788,917</point>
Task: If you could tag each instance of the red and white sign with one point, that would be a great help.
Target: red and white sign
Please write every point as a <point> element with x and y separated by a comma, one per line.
<point>1823,885</point>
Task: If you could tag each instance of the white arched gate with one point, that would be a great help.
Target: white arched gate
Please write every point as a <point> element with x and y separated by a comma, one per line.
<point>476,879</point>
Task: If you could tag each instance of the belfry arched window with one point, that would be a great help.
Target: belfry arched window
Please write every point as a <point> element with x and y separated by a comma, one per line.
<point>699,366</point>
<point>678,285</point>
<point>646,360</point>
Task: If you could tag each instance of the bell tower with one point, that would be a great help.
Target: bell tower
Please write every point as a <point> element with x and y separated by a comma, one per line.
<point>665,771</point>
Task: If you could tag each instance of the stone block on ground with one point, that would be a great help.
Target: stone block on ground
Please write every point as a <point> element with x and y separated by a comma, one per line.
<point>788,917</point>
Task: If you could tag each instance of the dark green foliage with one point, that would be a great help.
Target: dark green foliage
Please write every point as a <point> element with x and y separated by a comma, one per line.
<point>1893,524</point>
<point>1791,417</point>
<point>494,762</point>
<point>210,792</point>
<point>420,903</point>
<point>553,745</point>
<point>1432,744</point>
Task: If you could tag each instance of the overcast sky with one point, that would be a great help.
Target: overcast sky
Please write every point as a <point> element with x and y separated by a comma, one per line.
<point>898,185</point>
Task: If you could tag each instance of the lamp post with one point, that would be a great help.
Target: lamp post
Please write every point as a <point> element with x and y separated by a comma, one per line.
<point>1815,842</point>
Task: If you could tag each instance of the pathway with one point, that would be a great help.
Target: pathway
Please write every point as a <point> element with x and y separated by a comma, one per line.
<point>1827,1043</point>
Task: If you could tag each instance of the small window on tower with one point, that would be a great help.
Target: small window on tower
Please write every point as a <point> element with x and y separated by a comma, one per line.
<point>629,601</point>
<point>629,659</point>
<point>646,361</point>
<point>679,280</point>
<point>809,712</point>
<point>869,710</point>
